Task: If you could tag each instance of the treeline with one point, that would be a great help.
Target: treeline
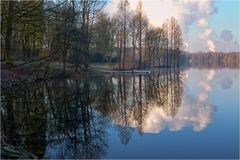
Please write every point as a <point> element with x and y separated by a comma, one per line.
<point>59,29</point>
<point>212,60</point>
<point>136,43</point>
<point>71,112</point>
<point>79,31</point>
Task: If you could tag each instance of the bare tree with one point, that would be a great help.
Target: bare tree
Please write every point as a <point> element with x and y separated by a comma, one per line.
<point>133,30</point>
<point>141,21</point>
<point>123,25</point>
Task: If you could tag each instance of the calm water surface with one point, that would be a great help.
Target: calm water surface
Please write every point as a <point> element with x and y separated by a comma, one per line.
<point>168,114</point>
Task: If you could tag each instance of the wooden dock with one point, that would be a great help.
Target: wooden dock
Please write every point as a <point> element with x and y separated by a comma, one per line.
<point>123,72</point>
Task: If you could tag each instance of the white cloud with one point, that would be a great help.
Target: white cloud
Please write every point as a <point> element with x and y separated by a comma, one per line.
<point>202,23</point>
<point>203,96</point>
<point>187,12</point>
<point>226,35</point>
<point>206,33</point>
<point>226,42</point>
<point>206,85</point>
<point>211,45</point>
<point>192,113</point>
<point>211,74</point>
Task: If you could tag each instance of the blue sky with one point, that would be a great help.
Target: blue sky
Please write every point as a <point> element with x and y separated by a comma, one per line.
<point>208,25</point>
<point>227,16</point>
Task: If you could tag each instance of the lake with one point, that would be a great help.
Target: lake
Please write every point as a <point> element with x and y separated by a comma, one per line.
<point>171,113</point>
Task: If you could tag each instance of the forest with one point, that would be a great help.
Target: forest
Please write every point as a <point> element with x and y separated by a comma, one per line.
<point>79,80</point>
<point>74,113</point>
<point>50,53</point>
<point>216,60</point>
<point>72,34</point>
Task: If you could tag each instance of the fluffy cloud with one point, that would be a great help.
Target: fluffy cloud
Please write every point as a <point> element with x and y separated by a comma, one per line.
<point>206,85</point>
<point>211,74</point>
<point>207,34</point>
<point>226,42</point>
<point>192,113</point>
<point>202,23</point>
<point>195,112</point>
<point>193,15</point>
<point>226,83</point>
<point>187,12</point>
<point>226,35</point>
<point>211,45</point>
<point>203,96</point>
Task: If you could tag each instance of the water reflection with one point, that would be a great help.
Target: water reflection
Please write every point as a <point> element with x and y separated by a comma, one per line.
<point>140,96</point>
<point>56,120</point>
<point>153,103</point>
<point>69,118</point>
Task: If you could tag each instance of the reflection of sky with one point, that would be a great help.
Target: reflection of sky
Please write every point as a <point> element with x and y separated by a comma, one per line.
<point>196,111</point>
<point>216,116</point>
<point>192,113</point>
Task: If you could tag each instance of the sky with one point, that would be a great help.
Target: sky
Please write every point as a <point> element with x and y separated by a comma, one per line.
<point>208,25</point>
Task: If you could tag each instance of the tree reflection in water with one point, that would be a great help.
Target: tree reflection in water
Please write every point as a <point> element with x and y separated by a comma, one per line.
<point>136,96</point>
<point>69,118</point>
<point>56,119</point>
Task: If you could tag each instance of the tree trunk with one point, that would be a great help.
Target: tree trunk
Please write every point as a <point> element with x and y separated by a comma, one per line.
<point>133,44</point>
<point>8,39</point>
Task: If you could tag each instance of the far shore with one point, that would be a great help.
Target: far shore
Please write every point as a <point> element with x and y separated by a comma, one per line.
<point>10,72</point>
